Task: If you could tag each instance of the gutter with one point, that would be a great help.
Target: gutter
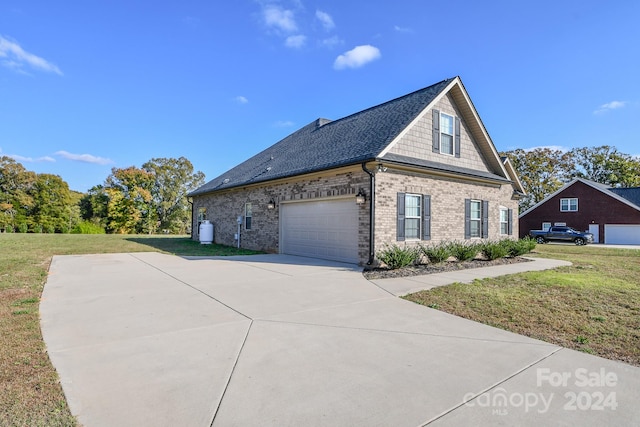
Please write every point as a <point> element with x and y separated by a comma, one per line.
<point>372,192</point>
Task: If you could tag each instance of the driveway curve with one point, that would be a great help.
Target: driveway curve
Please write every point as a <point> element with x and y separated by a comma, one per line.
<point>147,339</point>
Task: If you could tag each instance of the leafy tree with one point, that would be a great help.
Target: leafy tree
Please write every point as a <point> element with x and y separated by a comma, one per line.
<point>52,203</point>
<point>130,207</point>
<point>541,170</point>
<point>93,206</point>
<point>605,165</point>
<point>174,178</point>
<point>16,189</point>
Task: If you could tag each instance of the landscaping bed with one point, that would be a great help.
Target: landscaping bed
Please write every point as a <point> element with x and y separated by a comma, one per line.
<point>441,267</point>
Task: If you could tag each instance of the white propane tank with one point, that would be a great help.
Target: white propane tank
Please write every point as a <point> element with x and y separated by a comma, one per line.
<point>206,232</point>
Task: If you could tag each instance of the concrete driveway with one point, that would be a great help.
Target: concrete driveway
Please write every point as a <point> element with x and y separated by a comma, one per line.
<point>147,339</point>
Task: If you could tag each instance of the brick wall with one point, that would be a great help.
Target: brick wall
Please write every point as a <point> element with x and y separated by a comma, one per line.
<point>447,206</point>
<point>223,208</point>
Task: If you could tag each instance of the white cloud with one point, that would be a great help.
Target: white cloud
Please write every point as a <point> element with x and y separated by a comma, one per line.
<point>284,124</point>
<point>331,41</point>
<point>279,18</point>
<point>613,105</point>
<point>19,158</point>
<point>241,100</point>
<point>86,158</point>
<point>295,41</point>
<point>16,58</point>
<point>357,57</point>
<point>326,20</point>
<point>402,29</point>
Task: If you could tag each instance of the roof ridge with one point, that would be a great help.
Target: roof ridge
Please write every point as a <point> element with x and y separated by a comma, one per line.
<point>424,89</point>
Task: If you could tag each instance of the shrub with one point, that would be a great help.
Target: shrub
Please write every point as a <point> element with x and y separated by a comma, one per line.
<point>436,253</point>
<point>494,250</point>
<point>519,247</point>
<point>396,257</point>
<point>22,227</point>
<point>8,229</point>
<point>49,229</point>
<point>87,227</point>
<point>37,228</point>
<point>464,251</point>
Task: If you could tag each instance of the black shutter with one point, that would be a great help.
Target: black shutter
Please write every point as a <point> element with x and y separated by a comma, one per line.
<point>400,227</point>
<point>426,217</point>
<point>485,218</point>
<point>457,137</point>
<point>436,131</point>
<point>467,218</point>
<point>510,223</point>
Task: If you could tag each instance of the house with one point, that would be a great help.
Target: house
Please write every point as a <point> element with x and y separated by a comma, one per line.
<point>417,169</point>
<point>611,214</point>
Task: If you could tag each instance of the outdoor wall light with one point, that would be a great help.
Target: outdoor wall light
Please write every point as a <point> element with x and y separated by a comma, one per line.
<point>382,168</point>
<point>271,204</point>
<point>361,197</point>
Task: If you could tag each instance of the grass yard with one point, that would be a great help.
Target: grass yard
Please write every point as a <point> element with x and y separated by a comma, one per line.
<point>30,394</point>
<point>592,306</point>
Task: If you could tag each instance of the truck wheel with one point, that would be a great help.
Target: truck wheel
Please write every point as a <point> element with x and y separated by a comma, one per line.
<point>579,241</point>
<point>540,240</point>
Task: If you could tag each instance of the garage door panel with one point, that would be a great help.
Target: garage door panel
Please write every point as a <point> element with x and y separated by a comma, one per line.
<point>324,229</point>
<point>618,234</point>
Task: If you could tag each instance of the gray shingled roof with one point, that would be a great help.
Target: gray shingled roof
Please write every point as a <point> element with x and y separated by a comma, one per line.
<point>631,194</point>
<point>325,144</point>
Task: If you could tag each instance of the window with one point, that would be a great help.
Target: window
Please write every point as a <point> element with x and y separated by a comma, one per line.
<point>414,217</point>
<point>569,205</point>
<point>546,226</point>
<point>446,133</point>
<point>505,221</point>
<point>476,214</point>
<point>476,209</point>
<point>247,216</point>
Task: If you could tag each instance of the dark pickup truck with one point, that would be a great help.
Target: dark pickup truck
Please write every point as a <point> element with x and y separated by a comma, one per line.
<point>565,234</point>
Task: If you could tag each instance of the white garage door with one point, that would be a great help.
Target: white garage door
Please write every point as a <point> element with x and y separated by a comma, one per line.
<point>622,234</point>
<point>320,229</point>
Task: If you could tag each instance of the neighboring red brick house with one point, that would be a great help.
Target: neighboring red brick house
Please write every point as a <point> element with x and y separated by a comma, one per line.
<point>611,214</point>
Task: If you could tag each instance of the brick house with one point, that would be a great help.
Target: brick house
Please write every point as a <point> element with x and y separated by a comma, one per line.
<point>417,169</point>
<point>612,215</point>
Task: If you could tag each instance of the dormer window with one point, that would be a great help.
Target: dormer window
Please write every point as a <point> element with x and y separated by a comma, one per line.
<point>446,134</point>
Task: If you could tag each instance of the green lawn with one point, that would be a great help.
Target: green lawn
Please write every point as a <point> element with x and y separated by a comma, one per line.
<point>30,394</point>
<point>591,306</point>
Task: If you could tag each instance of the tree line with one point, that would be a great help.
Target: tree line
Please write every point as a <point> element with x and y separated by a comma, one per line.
<point>150,199</point>
<point>545,170</point>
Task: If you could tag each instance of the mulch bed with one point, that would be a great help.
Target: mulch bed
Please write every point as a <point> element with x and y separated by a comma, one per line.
<point>422,269</point>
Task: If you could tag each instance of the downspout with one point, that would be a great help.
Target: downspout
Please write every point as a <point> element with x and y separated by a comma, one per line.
<point>372,204</point>
<point>190,200</point>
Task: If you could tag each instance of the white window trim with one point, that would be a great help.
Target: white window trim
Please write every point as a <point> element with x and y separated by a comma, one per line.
<point>569,199</point>
<point>419,217</point>
<point>478,220</point>
<point>248,213</point>
<point>504,222</point>
<point>453,134</point>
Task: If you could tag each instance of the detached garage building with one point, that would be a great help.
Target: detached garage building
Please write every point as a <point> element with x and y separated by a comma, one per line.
<point>418,169</point>
<point>611,214</point>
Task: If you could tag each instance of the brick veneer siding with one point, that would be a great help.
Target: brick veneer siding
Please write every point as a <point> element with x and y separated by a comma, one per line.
<point>224,207</point>
<point>594,207</point>
<point>447,206</point>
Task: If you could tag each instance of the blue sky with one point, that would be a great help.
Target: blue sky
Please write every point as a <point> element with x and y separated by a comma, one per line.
<point>88,86</point>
